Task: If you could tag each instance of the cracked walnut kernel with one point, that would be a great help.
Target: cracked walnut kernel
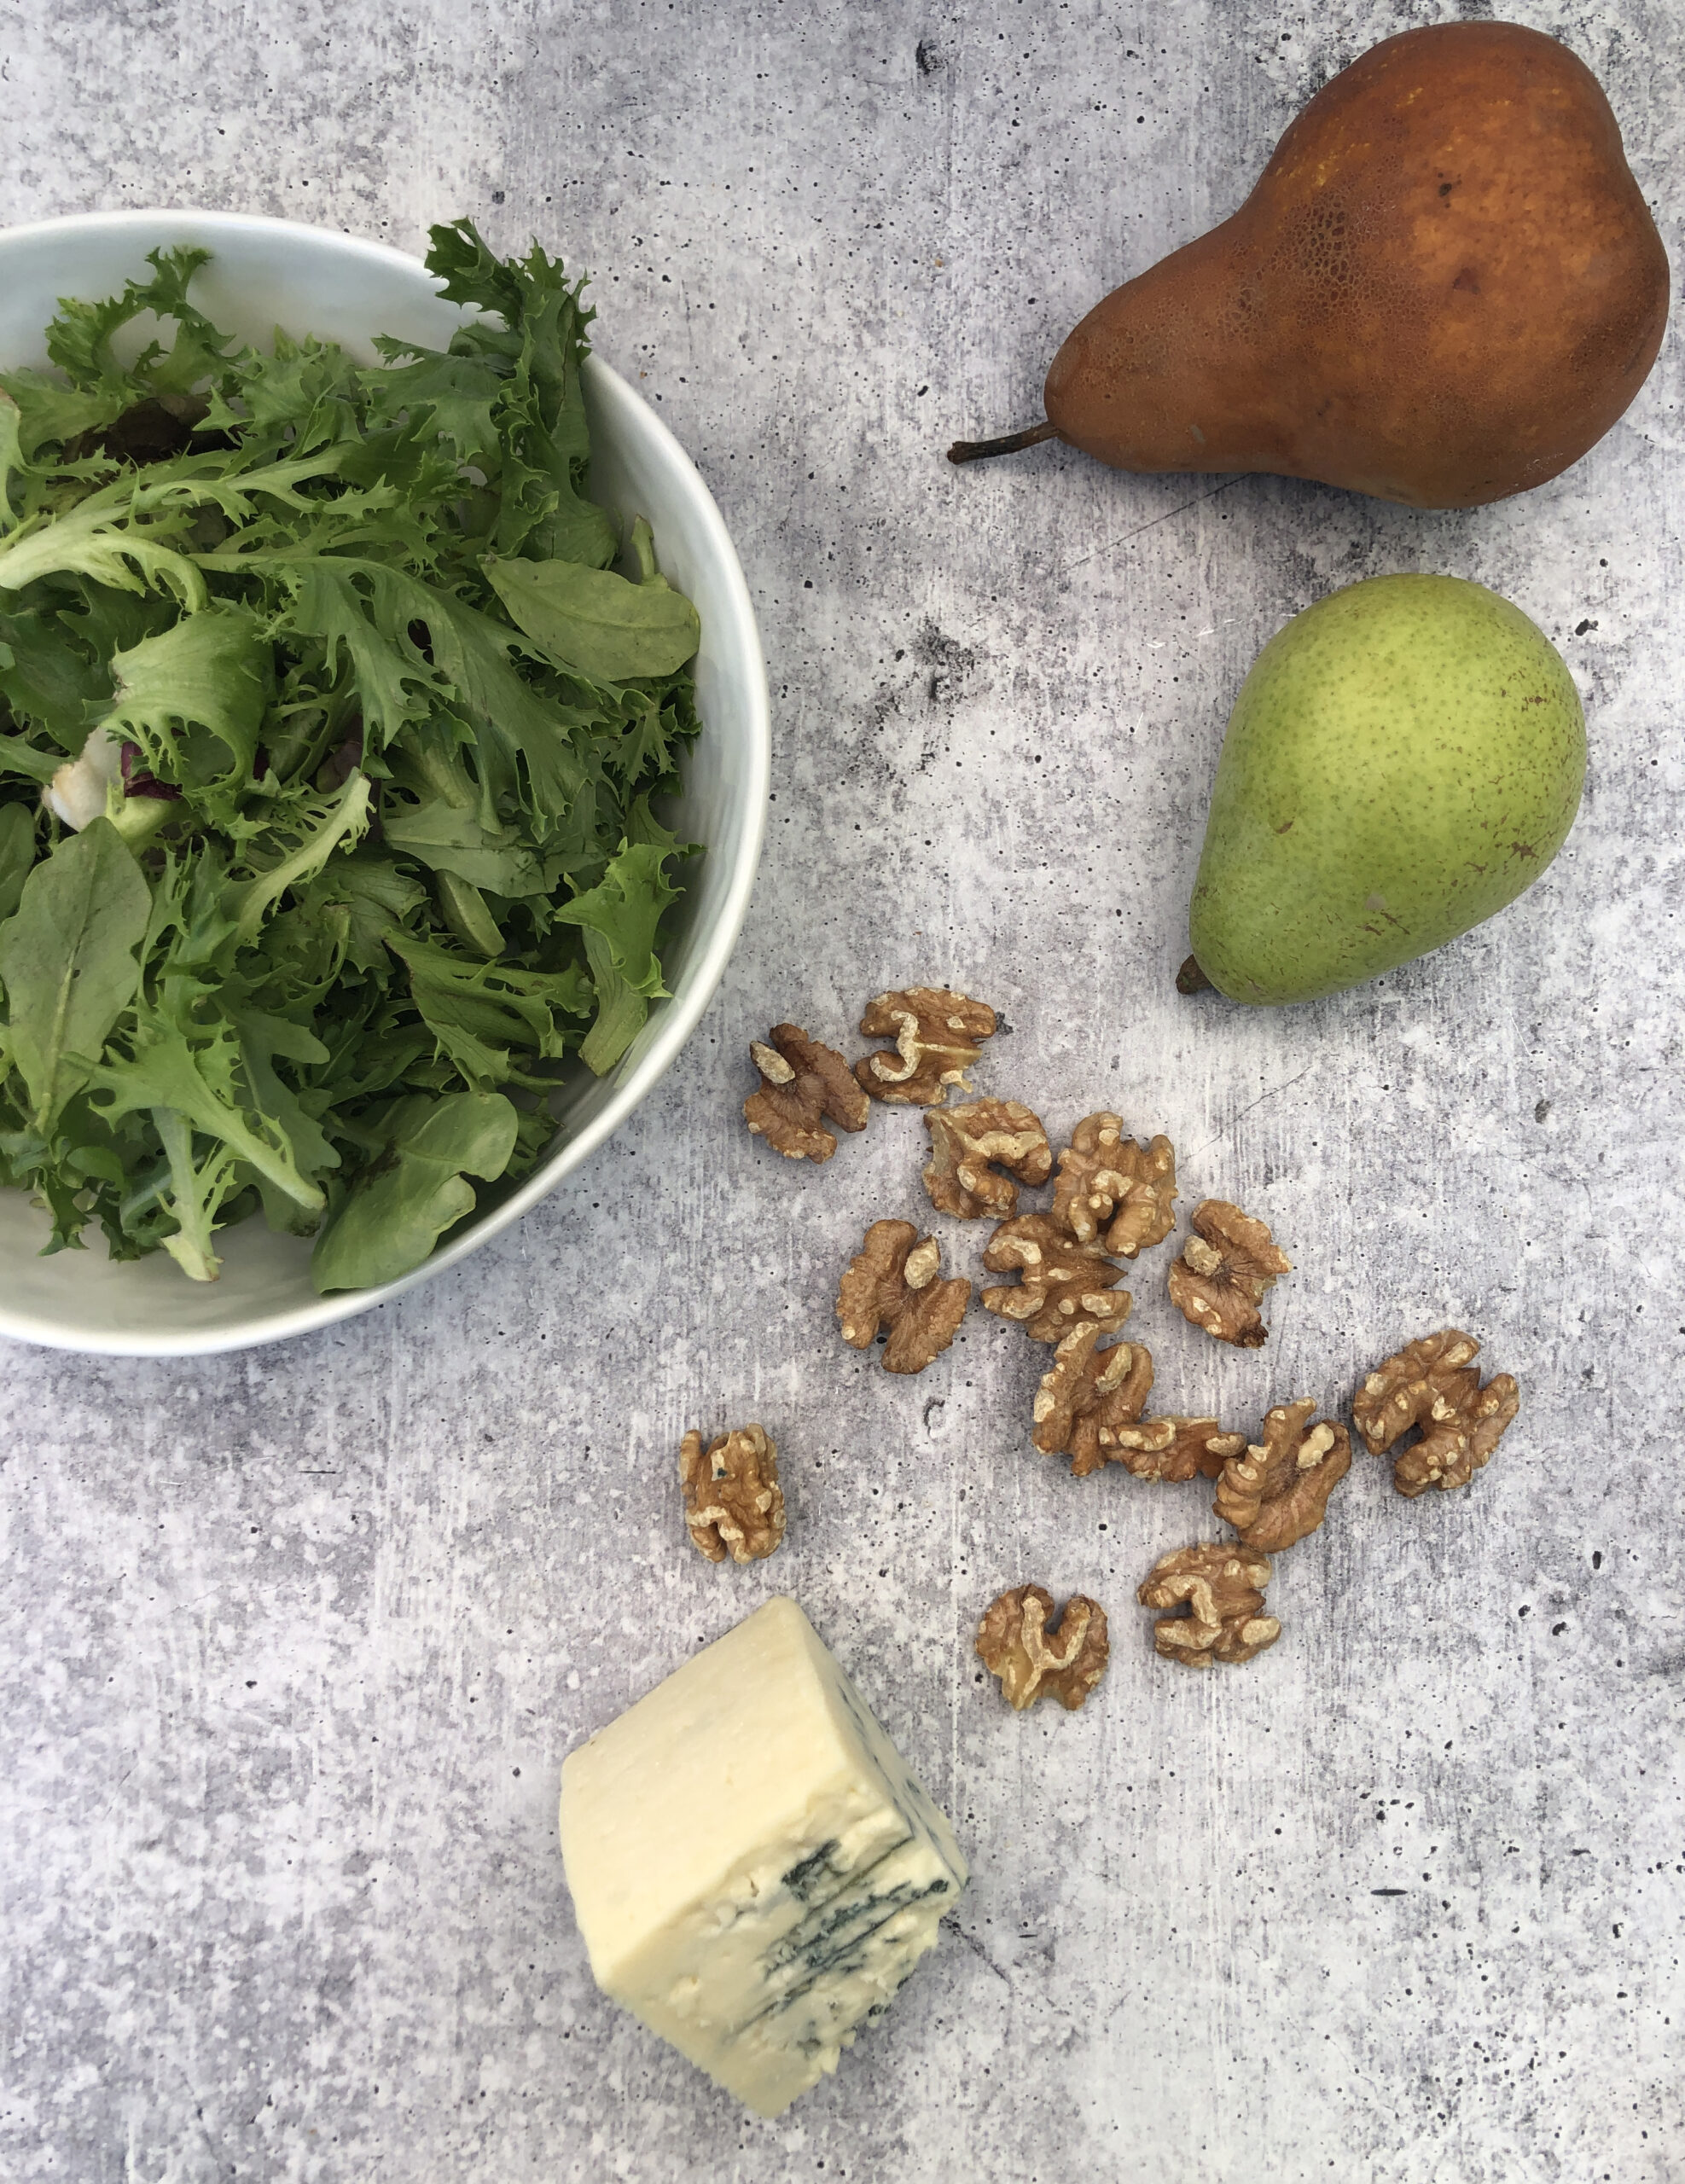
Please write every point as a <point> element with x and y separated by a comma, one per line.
<point>967,1144</point>
<point>802,1085</point>
<point>1088,1394</point>
<point>1222,1589</point>
<point>938,1035</point>
<point>733,1502</point>
<point>1170,1449</point>
<point>892,1282</point>
<point>1434,1383</point>
<point>1276,1492</point>
<point>1014,1643</point>
<point>1225,1269</point>
<point>1108,1182</point>
<point>1062,1284</point>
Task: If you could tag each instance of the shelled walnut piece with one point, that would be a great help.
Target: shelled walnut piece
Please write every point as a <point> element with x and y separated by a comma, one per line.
<point>1276,1491</point>
<point>1107,1181</point>
<point>1062,1284</point>
<point>1433,1383</point>
<point>1222,1588</point>
<point>892,1282</point>
<point>733,1502</point>
<point>968,1144</point>
<point>938,1035</point>
<point>802,1085</point>
<point>1014,1643</point>
<point>1170,1449</point>
<point>1087,1394</point>
<point>1225,1270</point>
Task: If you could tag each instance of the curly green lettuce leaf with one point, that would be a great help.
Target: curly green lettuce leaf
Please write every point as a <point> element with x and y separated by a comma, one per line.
<point>11,457</point>
<point>620,916</point>
<point>193,1082</point>
<point>490,1020</point>
<point>80,340</point>
<point>342,818</point>
<point>210,672</point>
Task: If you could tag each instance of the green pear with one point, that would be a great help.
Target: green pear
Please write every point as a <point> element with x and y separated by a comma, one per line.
<point>1403,759</point>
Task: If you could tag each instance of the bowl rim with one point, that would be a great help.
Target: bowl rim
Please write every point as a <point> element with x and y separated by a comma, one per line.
<point>681,1011</point>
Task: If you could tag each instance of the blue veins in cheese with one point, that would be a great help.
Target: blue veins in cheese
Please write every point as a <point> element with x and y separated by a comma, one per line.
<point>753,1868</point>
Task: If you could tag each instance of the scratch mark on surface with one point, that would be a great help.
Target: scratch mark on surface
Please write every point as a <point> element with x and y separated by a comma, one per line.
<point>1152,524</point>
<point>1248,1109</point>
<point>977,1949</point>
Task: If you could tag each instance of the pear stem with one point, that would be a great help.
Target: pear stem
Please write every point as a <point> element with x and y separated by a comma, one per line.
<point>1008,443</point>
<point>1190,979</point>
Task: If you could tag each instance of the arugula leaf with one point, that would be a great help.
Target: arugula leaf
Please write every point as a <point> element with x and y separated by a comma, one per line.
<point>464,909</point>
<point>377,896</point>
<point>20,756</point>
<point>596,622</point>
<point>642,546</point>
<point>446,839</point>
<point>399,1209</point>
<point>573,529</point>
<point>68,963</point>
<point>48,680</point>
<point>17,853</point>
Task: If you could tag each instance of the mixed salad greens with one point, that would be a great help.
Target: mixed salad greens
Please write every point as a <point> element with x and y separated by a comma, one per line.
<point>328,743</point>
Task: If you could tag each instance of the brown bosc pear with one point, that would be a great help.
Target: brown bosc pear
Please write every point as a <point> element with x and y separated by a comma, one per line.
<point>1445,287</point>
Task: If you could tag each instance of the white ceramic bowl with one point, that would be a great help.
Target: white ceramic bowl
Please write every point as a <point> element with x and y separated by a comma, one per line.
<point>268,273</point>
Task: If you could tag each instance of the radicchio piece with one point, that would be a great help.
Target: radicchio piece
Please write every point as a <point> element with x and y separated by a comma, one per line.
<point>140,783</point>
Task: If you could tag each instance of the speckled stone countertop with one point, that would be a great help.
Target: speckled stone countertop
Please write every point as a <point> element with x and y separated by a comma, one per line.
<point>294,1640</point>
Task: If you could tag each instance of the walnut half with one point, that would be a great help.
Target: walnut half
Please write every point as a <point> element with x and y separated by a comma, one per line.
<point>1225,1269</point>
<point>1014,1643</point>
<point>1276,1491</point>
<point>802,1085</point>
<point>1088,1396</point>
<point>1063,1285</point>
<point>968,1144</point>
<point>1433,1383</point>
<point>892,1282</point>
<point>1222,1589</point>
<point>733,1502</point>
<point>1170,1449</point>
<point>1108,1183</point>
<point>938,1035</point>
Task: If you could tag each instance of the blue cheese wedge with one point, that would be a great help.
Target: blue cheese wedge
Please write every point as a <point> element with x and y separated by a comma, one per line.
<point>754,1870</point>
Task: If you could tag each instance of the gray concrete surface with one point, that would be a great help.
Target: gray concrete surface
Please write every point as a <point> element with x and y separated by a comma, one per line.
<point>294,1640</point>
